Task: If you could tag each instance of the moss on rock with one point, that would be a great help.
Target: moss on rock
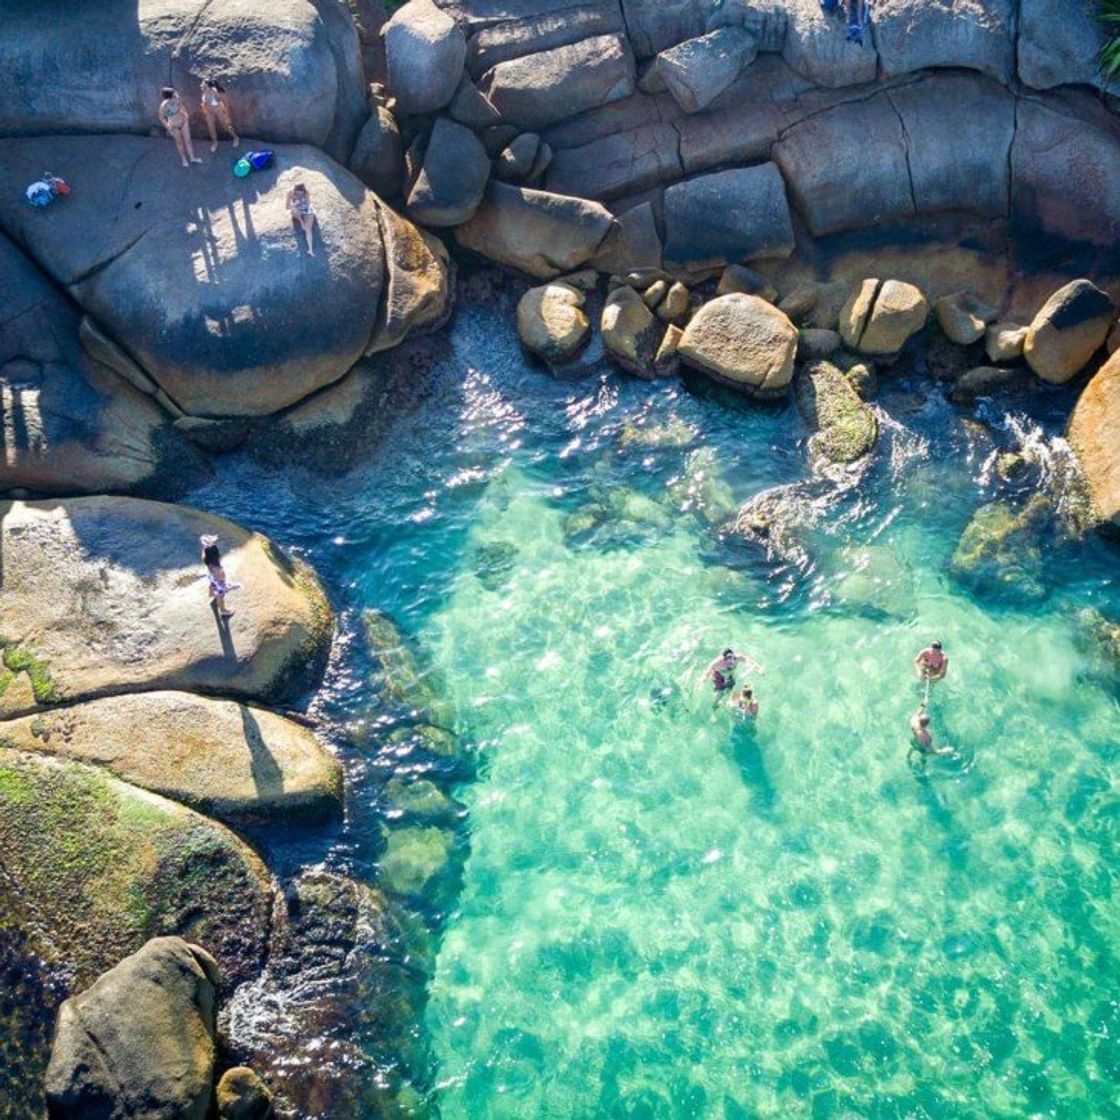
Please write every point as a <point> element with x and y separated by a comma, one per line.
<point>846,429</point>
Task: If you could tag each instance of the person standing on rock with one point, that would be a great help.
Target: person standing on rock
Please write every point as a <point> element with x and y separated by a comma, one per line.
<point>301,210</point>
<point>176,120</point>
<point>220,586</point>
<point>215,108</point>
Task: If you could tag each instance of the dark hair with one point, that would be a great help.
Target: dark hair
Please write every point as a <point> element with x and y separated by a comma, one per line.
<point>923,719</point>
<point>728,653</point>
<point>936,645</point>
<point>214,84</point>
<point>166,92</point>
<point>747,692</point>
<point>211,557</point>
<point>300,187</point>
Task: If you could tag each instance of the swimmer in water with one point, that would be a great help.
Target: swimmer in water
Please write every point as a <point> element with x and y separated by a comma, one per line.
<point>721,673</point>
<point>746,706</point>
<point>922,739</point>
<point>931,664</point>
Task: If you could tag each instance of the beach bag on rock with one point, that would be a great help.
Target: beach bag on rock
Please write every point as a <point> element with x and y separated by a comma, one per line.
<point>45,190</point>
<point>260,160</point>
<point>242,167</point>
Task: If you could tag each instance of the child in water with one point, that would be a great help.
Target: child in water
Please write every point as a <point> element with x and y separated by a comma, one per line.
<point>746,706</point>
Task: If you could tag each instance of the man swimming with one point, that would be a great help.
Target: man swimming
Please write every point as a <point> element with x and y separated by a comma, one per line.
<point>931,664</point>
<point>923,740</point>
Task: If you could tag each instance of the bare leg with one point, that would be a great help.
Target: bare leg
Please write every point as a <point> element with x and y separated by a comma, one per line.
<point>190,147</point>
<point>177,136</point>
<point>308,223</point>
<point>212,130</point>
<point>228,123</point>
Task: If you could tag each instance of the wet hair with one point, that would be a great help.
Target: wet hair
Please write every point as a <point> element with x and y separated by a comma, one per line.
<point>728,653</point>
<point>300,187</point>
<point>166,92</point>
<point>935,645</point>
<point>747,692</point>
<point>211,83</point>
<point>211,557</point>
<point>923,719</point>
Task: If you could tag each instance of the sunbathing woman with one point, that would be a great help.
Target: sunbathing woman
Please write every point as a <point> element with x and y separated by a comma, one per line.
<point>300,208</point>
<point>176,120</point>
<point>215,108</point>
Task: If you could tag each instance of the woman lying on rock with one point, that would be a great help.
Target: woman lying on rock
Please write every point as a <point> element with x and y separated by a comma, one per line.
<point>301,210</point>
<point>215,108</point>
<point>220,586</point>
<point>176,120</point>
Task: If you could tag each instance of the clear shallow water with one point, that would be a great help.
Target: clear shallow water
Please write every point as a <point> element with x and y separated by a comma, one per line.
<point>666,913</point>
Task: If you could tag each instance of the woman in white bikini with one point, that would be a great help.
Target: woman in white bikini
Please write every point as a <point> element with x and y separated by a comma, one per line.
<point>176,120</point>
<point>215,108</point>
<point>219,585</point>
<point>300,208</point>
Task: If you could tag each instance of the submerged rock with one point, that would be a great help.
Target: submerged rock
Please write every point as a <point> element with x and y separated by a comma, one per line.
<point>702,489</point>
<point>400,678</point>
<point>227,760</point>
<point>242,1095</point>
<point>741,341</point>
<point>846,429</point>
<point>141,1041</point>
<point>1093,431</point>
<point>1000,549</point>
<point>1068,330</point>
<point>417,863</point>
<point>983,381</point>
<point>108,595</point>
<point>673,433</point>
<point>332,1022</point>
<point>1102,636</point>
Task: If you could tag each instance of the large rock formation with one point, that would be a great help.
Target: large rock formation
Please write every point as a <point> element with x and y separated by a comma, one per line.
<point>228,760</point>
<point>425,51</point>
<point>141,1041</point>
<point>1094,434</point>
<point>537,232</point>
<point>108,595</point>
<point>292,68</point>
<point>200,276</point>
<point>743,342</point>
<point>93,867</point>
<point>69,422</point>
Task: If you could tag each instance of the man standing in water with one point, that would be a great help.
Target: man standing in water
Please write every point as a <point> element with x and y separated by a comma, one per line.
<point>923,740</point>
<point>721,672</point>
<point>931,664</point>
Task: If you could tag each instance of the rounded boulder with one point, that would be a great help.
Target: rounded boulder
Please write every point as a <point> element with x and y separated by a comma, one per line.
<point>551,322</point>
<point>1068,330</point>
<point>741,341</point>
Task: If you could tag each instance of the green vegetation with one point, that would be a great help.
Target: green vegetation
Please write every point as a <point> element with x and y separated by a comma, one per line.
<point>1108,12</point>
<point>20,659</point>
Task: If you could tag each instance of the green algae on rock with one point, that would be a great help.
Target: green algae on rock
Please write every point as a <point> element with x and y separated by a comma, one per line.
<point>107,595</point>
<point>1000,549</point>
<point>846,429</point>
<point>96,867</point>
<point>228,760</point>
<point>400,677</point>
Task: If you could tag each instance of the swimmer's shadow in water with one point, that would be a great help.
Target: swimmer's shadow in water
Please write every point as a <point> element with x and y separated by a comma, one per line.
<point>749,760</point>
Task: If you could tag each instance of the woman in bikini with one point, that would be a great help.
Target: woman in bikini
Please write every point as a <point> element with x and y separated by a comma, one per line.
<point>220,586</point>
<point>301,210</point>
<point>215,108</point>
<point>176,120</point>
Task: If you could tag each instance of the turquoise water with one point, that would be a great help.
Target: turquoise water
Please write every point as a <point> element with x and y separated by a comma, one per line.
<point>665,912</point>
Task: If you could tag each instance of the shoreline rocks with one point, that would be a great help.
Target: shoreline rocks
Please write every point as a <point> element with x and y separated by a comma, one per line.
<point>880,316</point>
<point>1070,327</point>
<point>551,322</point>
<point>1093,431</point>
<point>108,595</point>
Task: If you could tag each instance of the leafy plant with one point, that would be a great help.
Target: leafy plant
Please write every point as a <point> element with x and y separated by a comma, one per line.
<point>1108,12</point>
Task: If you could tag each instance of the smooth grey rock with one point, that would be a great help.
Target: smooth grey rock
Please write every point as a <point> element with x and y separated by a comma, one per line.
<point>377,158</point>
<point>470,107</point>
<point>293,70</point>
<point>847,167</point>
<point>516,162</point>
<point>698,70</point>
<point>979,35</point>
<point>1060,44</point>
<point>541,88</point>
<point>202,277</point>
<point>540,233</point>
<point>736,278</point>
<point>1065,168</point>
<point>725,216</point>
<point>141,1041</point>
<point>425,50</point>
<point>70,422</point>
<point>453,177</point>
<point>816,46</point>
<point>815,343</point>
<point>618,165</point>
<point>958,132</point>
<point>654,25</point>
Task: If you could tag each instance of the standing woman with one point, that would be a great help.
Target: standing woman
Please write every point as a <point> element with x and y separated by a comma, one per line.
<point>176,120</point>
<point>300,208</point>
<point>215,108</point>
<point>219,585</point>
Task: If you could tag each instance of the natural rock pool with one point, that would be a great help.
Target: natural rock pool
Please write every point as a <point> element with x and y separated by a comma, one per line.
<point>666,913</point>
